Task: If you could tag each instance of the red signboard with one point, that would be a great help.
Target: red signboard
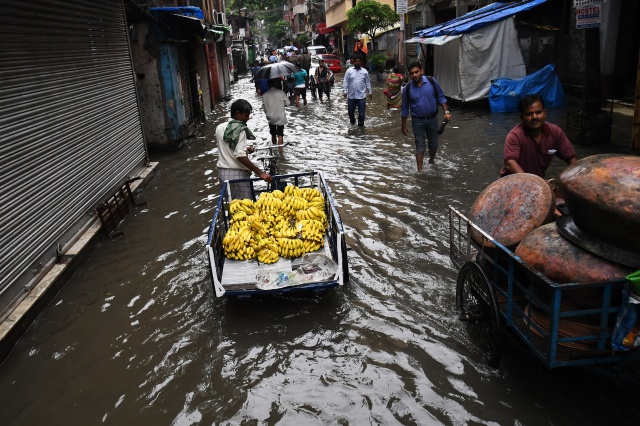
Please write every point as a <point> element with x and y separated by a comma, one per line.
<point>321,28</point>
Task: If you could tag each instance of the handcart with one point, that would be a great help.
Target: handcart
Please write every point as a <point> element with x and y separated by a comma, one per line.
<point>238,278</point>
<point>496,290</point>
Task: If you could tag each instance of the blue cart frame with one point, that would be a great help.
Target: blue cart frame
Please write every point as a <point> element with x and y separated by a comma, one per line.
<point>504,289</point>
<point>334,238</point>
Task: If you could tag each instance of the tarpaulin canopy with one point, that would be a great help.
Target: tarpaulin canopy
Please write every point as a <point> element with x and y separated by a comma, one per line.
<point>479,18</point>
<point>179,23</point>
<point>474,49</point>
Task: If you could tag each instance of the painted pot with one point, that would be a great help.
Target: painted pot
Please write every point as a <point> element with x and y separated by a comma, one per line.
<point>602,193</point>
<point>547,251</point>
<point>511,207</point>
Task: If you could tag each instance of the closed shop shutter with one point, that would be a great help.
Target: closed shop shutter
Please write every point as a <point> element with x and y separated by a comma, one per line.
<point>70,125</point>
<point>203,73</point>
<point>225,81</point>
<point>184,82</point>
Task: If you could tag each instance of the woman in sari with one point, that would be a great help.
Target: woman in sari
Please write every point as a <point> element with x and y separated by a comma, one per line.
<point>394,89</point>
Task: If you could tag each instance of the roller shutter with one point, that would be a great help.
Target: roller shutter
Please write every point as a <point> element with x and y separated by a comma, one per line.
<point>184,82</point>
<point>225,81</point>
<point>70,125</point>
<point>203,73</point>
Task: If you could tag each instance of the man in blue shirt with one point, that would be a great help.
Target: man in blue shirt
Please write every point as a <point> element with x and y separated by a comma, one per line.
<point>355,86</point>
<point>421,97</point>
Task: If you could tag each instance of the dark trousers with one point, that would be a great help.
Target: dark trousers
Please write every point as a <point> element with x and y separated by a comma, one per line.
<point>362,108</point>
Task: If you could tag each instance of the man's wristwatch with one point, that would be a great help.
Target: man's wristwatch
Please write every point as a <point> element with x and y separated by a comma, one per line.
<point>447,112</point>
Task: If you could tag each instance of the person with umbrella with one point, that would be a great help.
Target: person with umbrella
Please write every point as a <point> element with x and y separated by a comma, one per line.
<point>277,70</point>
<point>274,103</point>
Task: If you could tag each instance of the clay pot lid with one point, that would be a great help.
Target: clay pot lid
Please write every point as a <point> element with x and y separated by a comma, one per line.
<point>568,229</point>
<point>511,207</point>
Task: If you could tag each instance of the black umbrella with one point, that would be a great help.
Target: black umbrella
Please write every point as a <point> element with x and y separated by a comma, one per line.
<point>279,69</point>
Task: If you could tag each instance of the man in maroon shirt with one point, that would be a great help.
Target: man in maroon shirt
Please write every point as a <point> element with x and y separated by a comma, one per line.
<point>531,145</point>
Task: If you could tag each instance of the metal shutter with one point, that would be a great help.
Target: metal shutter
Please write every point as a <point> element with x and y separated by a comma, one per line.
<point>69,121</point>
<point>203,73</point>
<point>184,82</point>
<point>225,81</point>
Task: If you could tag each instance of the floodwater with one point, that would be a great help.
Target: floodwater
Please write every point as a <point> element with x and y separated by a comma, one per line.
<point>138,338</point>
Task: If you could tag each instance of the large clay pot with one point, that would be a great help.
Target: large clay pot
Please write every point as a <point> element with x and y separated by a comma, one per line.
<point>603,196</point>
<point>511,207</point>
<point>546,250</point>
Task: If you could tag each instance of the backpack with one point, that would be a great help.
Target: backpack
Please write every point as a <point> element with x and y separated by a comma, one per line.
<point>433,83</point>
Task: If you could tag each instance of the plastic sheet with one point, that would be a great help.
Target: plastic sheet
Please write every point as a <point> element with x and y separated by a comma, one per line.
<point>505,92</point>
<point>313,268</point>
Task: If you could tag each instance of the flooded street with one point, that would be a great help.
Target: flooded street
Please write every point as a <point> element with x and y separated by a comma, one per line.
<point>137,336</point>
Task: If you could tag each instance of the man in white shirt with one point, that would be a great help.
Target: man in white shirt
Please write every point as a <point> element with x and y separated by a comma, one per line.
<point>355,86</point>
<point>274,102</point>
<point>233,160</point>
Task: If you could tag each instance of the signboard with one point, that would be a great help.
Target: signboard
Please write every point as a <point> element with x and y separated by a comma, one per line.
<point>588,16</point>
<point>401,7</point>
<point>584,3</point>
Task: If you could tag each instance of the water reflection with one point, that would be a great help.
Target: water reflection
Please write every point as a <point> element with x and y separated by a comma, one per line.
<point>137,336</point>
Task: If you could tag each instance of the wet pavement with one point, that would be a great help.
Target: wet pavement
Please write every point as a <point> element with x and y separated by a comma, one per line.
<point>137,336</point>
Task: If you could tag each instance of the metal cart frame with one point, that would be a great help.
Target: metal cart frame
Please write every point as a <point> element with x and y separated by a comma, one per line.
<point>496,289</point>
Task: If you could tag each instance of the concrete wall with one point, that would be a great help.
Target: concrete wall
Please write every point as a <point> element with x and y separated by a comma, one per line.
<point>145,66</point>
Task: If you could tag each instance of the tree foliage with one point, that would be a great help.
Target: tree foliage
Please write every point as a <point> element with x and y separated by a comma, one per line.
<point>369,17</point>
<point>268,11</point>
<point>277,30</point>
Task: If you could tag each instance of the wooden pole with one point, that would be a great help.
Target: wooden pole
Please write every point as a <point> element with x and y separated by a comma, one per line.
<point>635,131</point>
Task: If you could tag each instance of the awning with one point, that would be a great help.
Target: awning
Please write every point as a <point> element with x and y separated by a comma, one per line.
<point>438,41</point>
<point>321,28</point>
<point>476,19</point>
<point>178,24</point>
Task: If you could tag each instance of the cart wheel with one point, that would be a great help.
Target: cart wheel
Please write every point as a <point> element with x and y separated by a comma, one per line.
<point>477,306</point>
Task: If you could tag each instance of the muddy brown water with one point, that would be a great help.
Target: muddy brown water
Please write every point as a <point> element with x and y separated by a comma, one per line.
<point>137,336</point>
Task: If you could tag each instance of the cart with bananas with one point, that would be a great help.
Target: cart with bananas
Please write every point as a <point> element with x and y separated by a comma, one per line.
<point>287,238</point>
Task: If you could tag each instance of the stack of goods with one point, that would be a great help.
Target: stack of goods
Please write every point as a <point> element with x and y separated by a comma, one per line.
<point>598,242</point>
<point>279,224</point>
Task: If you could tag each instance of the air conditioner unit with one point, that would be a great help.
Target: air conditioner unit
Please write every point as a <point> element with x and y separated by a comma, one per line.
<point>221,19</point>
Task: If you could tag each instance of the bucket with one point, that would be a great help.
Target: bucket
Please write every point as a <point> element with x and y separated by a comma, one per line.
<point>634,281</point>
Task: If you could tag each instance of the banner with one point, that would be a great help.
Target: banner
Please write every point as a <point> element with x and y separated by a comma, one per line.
<point>588,16</point>
<point>401,7</point>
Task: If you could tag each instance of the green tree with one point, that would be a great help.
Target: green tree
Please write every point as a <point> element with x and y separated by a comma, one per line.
<point>270,12</point>
<point>369,17</point>
<point>277,31</point>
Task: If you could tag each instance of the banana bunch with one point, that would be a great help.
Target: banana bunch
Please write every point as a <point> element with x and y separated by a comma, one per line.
<point>286,231</point>
<point>310,193</point>
<point>245,205</point>
<point>311,246</point>
<point>317,202</point>
<point>236,245</point>
<point>291,247</point>
<point>291,204</point>
<point>268,256</point>
<point>269,204</point>
<point>285,223</point>
<point>311,213</point>
<point>292,191</point>
<point>312,230</point>
<point>256,225</point>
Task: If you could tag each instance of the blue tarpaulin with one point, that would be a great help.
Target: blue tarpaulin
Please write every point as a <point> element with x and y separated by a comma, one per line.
<point>505,93</point>
<point>479,18</point>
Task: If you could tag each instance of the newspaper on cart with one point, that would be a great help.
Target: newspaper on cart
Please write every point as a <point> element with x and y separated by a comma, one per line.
<point>313,268</point>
